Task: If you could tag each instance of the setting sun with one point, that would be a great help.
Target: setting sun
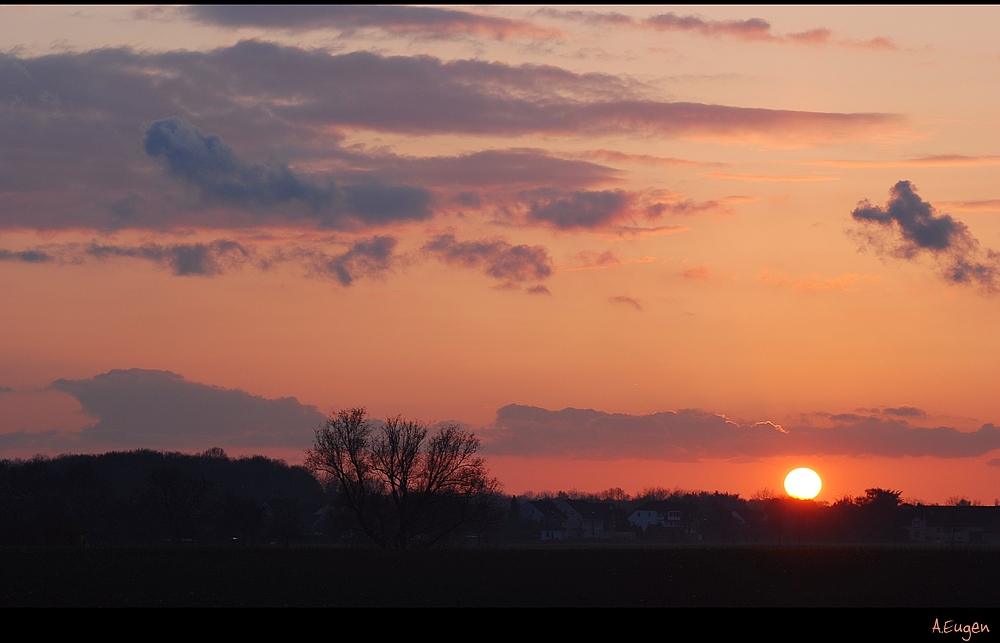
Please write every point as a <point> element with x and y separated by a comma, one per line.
<point>803,483</point>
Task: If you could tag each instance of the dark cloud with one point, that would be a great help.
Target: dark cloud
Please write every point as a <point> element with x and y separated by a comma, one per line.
<point>995,462</point>
<point>468,199</point>
<point>691,435</point>
<point>159,409</point>
<point>605,209</point>
<point>26,256</point>
<point>509,264</point>
<point>379,204</point>
<point>908,227</point>
<point>906,411</point>
<point>688,207</point>
<point>6,389</point>
<point>213,166</point>
<point>210,164</point>
<point>426,22</point>
<point>203,259</point>
<point>749,29</point>
<point>369,258</point>
<point>539,290</point>
<point>580,209</point>
<point>365,258</point>
<point>373,257</point>
<point>914,218</point>
<point>128,210</point>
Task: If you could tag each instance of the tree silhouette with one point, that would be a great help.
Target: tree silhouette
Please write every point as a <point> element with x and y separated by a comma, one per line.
<point>401,487</point>
<point>880,513</point>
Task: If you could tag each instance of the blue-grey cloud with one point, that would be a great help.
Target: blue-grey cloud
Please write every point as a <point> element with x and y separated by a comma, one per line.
<point>511,265</point>
<point>159,409</point>
<point>205,259</point>
<point>920,228</point>
<point>371,257</point>
<point>212,165</point>
<point>426,22</point>
<point>6,389</point>
<point>690,435</point>
<point>207,162</point>
<point>578,209</point>
<point>908,227</point>
<point>366,258</point>
<point>26,256</point>
<point>905,411</point>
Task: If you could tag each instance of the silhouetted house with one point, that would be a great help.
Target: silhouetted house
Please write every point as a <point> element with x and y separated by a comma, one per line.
<point>961,524</point>
<point>674,516</point>
<point>552,521</point>
<point>539,510</point>
<point>588,519</point>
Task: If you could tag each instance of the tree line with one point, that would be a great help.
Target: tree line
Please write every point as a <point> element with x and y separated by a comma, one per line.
<point>148,497</point>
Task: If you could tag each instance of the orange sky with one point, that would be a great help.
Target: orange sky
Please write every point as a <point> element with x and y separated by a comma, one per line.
<point>442,212</point>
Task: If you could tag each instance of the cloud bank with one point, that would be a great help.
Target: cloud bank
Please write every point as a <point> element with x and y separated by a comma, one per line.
<point>159,409</point>
<point>104,139</point>
<point>691,435</point>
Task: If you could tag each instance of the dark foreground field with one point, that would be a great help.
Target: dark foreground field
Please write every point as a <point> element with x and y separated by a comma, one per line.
<point>682,577</point>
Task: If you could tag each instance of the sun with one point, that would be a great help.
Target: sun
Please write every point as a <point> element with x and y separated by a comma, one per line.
<point>803,483</point>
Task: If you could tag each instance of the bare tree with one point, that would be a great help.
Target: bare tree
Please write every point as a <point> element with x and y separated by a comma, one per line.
<point>400,487</point>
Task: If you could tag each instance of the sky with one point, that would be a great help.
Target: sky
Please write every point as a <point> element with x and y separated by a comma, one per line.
<point>679,247</point>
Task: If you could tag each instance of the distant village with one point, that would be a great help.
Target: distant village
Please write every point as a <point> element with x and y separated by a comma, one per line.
<point>661,516</point>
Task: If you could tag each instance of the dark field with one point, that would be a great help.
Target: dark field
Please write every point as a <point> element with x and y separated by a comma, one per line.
<point>627,577</point>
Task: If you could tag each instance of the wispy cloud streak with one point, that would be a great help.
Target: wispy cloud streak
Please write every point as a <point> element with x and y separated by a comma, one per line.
<point>747,29</point>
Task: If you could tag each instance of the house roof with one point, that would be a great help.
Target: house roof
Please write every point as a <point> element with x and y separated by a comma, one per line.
<point>663,506</point>
<point>593,510</point>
